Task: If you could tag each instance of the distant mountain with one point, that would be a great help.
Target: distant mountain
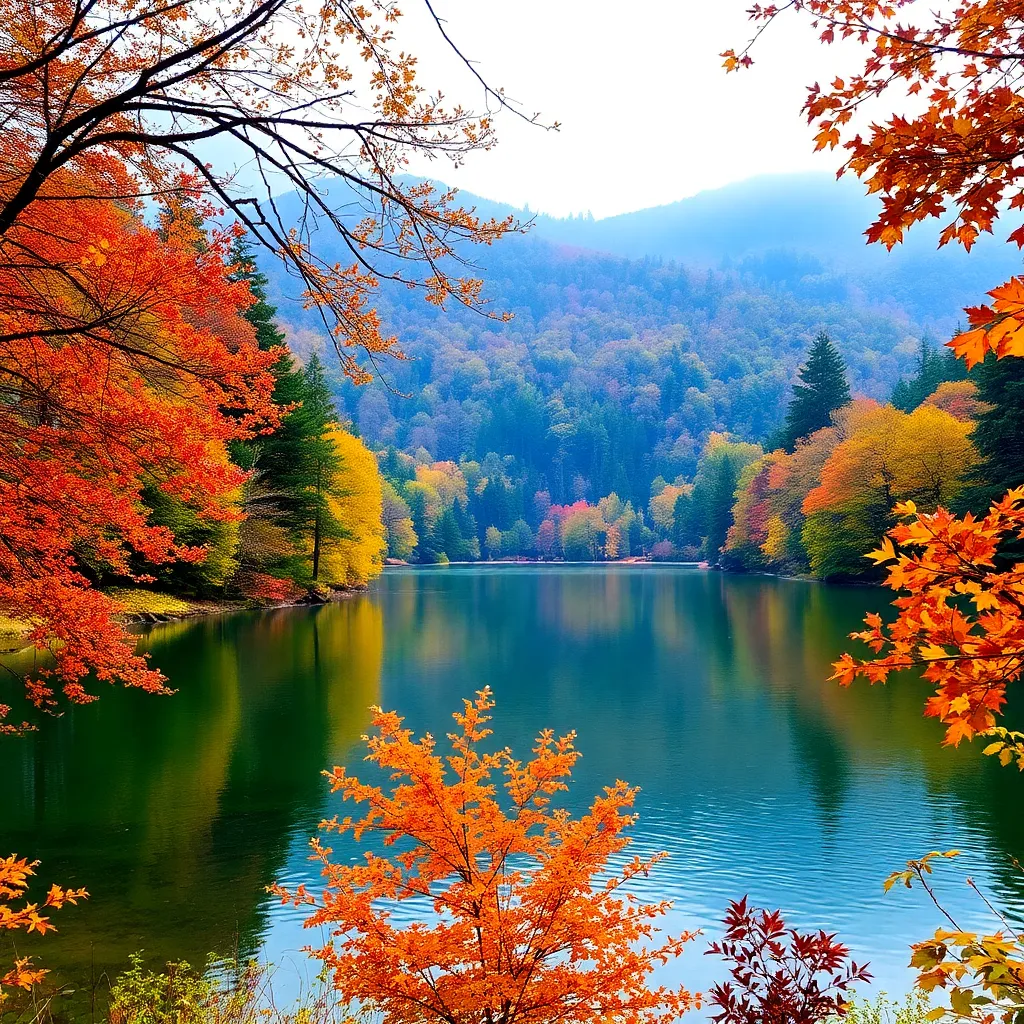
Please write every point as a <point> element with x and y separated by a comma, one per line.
<point>636,336</point>
<point>799,231</point>
<point>789,229</point>
<point>808,213</point>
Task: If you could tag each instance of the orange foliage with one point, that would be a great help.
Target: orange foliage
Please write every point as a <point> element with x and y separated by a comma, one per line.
<point>962,619</point>
<point>960,148</point>
<point>960,399</point>
<point>113,99</point>
<point>15,873</point>
<point>956,153</point>
<point>520,933</point>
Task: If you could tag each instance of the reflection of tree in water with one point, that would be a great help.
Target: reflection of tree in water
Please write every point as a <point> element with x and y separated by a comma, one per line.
<point>175,812</point>
<point>788,635</point>
<point>693,685</point>
<point>706,690</point>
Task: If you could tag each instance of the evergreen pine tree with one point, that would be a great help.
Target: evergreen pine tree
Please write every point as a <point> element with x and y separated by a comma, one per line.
<point>260,314</point>
<point>321,462</point>
<point>467,527</point>
<point>823,389</point>
<point>297,464</point>
<point>999,434</point>
<point>424,552</point>
<point>933,368</point>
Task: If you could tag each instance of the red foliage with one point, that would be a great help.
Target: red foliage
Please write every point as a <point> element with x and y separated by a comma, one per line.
<point>780,975</point>
<point>124,362</point>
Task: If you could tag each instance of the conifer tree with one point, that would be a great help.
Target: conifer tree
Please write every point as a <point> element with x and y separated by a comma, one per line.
<point>933,369</point>
<point>260,314</point>
<point>823,389</point>
<point>320,464</point>
<point>999,435</point>
<point>297,464</point>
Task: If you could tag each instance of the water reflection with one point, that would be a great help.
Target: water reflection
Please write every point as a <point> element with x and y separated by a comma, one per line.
<point>175,812</point>
<point>707,691</point>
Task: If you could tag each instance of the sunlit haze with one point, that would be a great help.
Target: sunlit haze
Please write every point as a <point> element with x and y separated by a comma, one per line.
<point>647,113</point>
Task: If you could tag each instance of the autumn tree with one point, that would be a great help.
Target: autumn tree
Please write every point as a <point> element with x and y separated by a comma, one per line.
<point>887,457</point>
<point>121,100</point>
<point>532,921</point>
<point>957,154</point>
<point>961,399</point>
<point>823,389</point>
<point>714,489</point>
<point>353,555</point>
<point>398,528</point>
<point>123,354</point>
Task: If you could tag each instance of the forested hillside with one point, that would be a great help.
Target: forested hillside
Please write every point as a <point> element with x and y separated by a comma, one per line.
<point>614,372</point>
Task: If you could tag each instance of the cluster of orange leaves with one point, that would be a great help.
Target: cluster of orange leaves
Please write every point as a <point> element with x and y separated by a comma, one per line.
<point>956,153</point>
<point>530,922</point>
<point>961,619</point>
<point>15,873</point>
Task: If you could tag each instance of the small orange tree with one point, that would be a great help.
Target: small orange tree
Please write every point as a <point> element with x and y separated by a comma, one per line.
<point>530,924</point>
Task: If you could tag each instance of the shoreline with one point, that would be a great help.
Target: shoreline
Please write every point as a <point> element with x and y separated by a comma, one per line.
<point>168,608</point>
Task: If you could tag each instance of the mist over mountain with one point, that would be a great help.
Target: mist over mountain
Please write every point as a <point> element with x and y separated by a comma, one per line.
<point>634,337</point>
<point>793,229</point>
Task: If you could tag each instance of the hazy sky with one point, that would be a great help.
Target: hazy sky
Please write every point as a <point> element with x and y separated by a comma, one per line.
<point>648,114</point>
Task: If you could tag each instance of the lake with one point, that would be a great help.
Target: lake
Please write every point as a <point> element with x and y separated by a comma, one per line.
<point>706,690</point>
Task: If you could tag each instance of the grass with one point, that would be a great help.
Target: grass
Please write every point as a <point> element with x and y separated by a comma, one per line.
<point>139,601</point>
<point>12,629</point>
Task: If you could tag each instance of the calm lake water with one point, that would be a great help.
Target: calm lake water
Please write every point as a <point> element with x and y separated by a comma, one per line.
<point>707,691</point>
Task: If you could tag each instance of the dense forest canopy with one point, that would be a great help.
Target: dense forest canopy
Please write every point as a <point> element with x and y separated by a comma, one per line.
<point>614,372</point>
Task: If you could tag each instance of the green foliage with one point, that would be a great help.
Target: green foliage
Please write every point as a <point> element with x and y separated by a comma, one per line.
<point>933,368</point>
<point>836,541</point>
<point>823,389</point>
<point>580,540</point>
<point>227,992</point>
<point>296,467</point>
<point>518,541</point>
<point>179,994</point>
<point>218,537</point>
<point>999,435</point>
<point>714,490</point>
<point>914,1009</point>
<point>260,314</point>
<point>611,374</point>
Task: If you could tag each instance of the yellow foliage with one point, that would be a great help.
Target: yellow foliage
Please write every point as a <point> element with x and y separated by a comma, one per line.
<point>888,456</point>
<point>663,506</point>
<point>139,601</point>
<point>446,480</point>
<point>357,503</point>
<point>774,546</point>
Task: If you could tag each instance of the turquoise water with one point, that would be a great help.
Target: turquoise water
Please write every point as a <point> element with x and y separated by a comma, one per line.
<point>707,691</point>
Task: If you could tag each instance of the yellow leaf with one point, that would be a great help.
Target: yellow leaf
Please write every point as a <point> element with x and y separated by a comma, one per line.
<point>886,553</point>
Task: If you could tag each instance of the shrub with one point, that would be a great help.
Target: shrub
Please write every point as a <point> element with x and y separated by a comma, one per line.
<point>780,975</point>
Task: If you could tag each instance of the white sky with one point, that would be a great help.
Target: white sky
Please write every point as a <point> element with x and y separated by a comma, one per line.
<point>648,113</point>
